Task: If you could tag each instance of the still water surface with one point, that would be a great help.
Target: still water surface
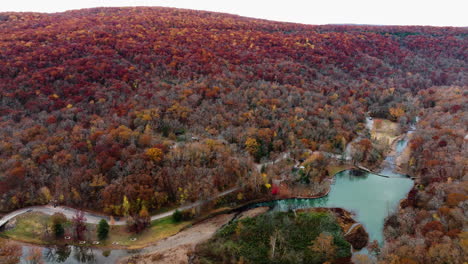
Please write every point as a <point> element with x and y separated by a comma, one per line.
<point>370,197</point>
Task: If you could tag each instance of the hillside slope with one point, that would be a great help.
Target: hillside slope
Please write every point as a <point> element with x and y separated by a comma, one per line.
<point>92,101</point>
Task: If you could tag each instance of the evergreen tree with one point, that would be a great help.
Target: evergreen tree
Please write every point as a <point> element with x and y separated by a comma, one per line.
<point>58,219</point>
<point>58,230</point>
<point>103,229</point>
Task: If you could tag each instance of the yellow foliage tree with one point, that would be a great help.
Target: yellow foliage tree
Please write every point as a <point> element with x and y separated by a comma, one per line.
<point>122,133</point>
<point>125,206</point>
<point>155,154</point>
<point>144,212</point>
<point>252,145</point>
<point>45,193</point>
<point>76,195</point>
<point>148,114</point>
<point>179,111</point>
<point>396,112</point>
<point>98,181</point>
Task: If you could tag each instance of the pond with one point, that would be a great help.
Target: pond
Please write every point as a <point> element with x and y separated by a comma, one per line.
<point>369,196</point>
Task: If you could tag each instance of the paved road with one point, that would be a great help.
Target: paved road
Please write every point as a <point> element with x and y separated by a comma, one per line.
<point>92,218</point>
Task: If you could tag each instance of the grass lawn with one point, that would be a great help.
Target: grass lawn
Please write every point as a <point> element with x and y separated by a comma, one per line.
<point>31,228</point>
<point>158,230</point>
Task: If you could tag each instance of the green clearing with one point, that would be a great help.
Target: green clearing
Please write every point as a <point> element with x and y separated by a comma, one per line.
<point>158,230</point>
<point>30,227</point>
<point>280,237</point>
<point>35,227</point>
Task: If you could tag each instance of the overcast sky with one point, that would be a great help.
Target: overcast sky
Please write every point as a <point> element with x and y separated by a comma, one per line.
<point>388,12</point>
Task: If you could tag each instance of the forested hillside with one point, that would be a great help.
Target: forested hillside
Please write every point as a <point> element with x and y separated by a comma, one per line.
<point>163,106</point>
<point>432,226</point>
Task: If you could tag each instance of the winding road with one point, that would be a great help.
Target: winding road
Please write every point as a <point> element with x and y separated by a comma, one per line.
<point>92,218</point>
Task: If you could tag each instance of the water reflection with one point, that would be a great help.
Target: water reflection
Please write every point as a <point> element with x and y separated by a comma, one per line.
<point>76,255</point>
<point>57,254</point>
<point>84,255</point>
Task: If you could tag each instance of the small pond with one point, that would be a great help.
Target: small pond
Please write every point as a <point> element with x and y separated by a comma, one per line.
<point>369,196</point>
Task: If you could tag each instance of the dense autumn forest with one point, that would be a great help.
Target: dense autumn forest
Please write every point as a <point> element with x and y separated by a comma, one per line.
<point>161,106</point>
<point>431,227</point>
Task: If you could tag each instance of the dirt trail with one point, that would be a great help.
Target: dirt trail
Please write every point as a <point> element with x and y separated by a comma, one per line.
<point>253,212</point>
<point>175,249</point>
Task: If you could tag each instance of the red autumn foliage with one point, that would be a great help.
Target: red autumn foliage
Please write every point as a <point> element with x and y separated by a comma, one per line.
<point>432,226</point>
<point>85,93</point>
<point>274,190</point>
